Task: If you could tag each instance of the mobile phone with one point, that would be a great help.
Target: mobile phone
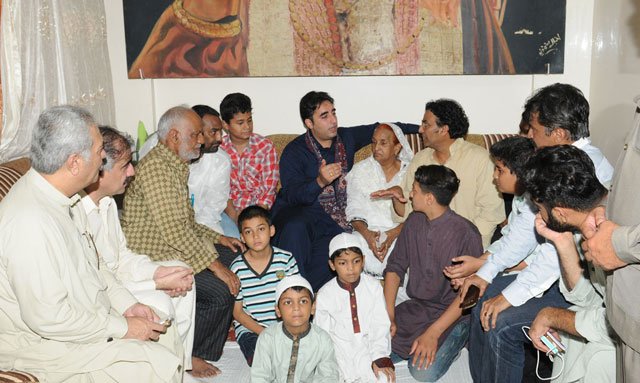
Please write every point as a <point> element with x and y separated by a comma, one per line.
<point>547,342</point>
<point>471,298</point>
<point>561,347</point>
<point>166,321</point>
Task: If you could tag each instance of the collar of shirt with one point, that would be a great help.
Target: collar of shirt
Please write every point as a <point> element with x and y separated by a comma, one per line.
<point>457,144</point>
<point>50,191</point>
<point>228,146</point>
<point>441,219</point>
<point>293,337</point>
<point>581,143</point>
<point>348,286</point>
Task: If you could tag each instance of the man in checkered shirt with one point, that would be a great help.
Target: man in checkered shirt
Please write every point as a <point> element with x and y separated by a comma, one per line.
<point>159,221</point>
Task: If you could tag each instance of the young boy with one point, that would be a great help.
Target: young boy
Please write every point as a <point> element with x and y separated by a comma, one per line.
<point>428,327</point>
<point>254,162</point>
<point>351,309</point>
<point>510,157</point>
<point>294,350</point>
<point>259,269</point>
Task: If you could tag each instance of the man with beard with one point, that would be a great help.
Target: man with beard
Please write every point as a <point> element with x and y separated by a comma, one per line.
<point>557,115</point>
<point>564,187</point>
<point>159,221</point>
<point>166,286</point>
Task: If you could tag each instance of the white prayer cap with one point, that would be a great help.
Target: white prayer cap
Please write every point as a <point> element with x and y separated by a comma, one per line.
<point>291,281</point>
<point>345,240</point>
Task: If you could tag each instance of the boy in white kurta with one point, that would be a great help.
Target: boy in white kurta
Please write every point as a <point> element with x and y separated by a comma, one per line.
<point>351,309</point>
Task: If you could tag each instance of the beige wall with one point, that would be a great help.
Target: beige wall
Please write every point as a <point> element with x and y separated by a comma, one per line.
<point>493,103</point>
<point>615,72</point>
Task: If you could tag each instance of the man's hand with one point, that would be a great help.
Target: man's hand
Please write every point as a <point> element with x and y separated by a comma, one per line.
<point>328,173</point>
<point>393,328</point>
<point>559,239</point>
<point>176,278</point>
<point>387,371</point>
<point>598,247</point>
<point>394,192</point>
<point>541,324</point>
<point>143,329</point>
<point>226,276</point>
<point>491,308</point>
<point>372,240</point>
<point>424,350</point>
<point>473,280</point>
<point>593,220</point>
<point>142,311</point>
<point>465,266</point>
<point>233,243</point>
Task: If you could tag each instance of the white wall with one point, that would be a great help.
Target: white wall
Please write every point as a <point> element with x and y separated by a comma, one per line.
<point>493,103</point>
<point>615,77</point>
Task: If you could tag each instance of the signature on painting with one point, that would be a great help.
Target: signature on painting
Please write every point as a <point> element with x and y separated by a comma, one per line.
<point>550,45</point>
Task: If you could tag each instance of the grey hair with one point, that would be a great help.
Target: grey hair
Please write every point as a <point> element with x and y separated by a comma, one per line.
<point>60,132</point>
<point>170,118</point>
<point>116,145</point>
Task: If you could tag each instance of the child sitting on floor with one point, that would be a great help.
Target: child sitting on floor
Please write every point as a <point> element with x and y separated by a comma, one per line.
<point>351,309</point>
<point>294,350</point>
<point>259,269</point>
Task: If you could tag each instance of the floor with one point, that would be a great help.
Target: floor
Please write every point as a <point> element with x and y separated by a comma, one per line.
<point>235,369</point>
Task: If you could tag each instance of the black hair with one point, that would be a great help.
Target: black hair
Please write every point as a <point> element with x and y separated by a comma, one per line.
<point>450,113</point>
<point>310,102</point>
<point>513,152</point>
<point>253,211</point>
<point>339,252</point>
<point>234,103</point>
<point>203,110</point>
<point>563,176</point>
<point>116,145</point>
<point>438,180</point>
<point>560,106</point>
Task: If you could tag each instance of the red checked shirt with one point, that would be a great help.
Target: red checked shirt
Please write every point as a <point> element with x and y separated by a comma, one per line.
<point>254,173</point>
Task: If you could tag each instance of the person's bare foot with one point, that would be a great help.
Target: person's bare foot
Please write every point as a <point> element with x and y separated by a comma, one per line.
<point>202,369</point>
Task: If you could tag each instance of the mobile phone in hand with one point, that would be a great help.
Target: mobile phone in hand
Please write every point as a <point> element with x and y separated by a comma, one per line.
<point>471,298</point>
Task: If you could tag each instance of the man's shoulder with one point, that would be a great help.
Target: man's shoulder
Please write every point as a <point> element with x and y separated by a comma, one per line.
<point>279,253</point>
<point>462,224</point>
<point>328,287</point>
<point>296,146</point>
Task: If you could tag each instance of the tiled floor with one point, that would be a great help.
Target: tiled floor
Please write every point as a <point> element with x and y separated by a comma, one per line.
<point>235,369</point>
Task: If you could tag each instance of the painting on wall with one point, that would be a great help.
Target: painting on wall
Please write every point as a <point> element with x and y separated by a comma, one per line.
<point>230,38</point>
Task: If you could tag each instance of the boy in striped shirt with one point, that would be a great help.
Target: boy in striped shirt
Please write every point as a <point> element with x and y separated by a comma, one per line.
<point>259,269</point>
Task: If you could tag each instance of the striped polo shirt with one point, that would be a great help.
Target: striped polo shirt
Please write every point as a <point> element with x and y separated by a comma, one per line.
<point>258,291</point>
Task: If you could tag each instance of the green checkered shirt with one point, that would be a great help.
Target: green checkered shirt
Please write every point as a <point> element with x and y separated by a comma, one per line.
<point>158,219</point>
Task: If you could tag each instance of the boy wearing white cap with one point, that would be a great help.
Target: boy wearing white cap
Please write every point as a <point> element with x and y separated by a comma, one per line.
<point>294,350</point>
<point>351,308</point>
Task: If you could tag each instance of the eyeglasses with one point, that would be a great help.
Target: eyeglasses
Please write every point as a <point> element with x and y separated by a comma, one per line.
<point>92,245</point>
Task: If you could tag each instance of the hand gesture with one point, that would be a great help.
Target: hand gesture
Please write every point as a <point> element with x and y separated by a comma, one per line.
<point>553,236</point>
<point>142,329</point>
<point>473,280</point>
<point>142,311</point>
<point>226,276</point>
<point>394,192</point>
<point>424,350</point>
<point>328,173</point>
<point>173,278</point>
<point>233,243</point>
<point>465,266</point>
<point>491,308</point>
<point>539,327</point>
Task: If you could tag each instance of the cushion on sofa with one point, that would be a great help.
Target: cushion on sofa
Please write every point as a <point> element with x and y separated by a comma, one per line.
<point>8,177</point>
<point>16,377</point>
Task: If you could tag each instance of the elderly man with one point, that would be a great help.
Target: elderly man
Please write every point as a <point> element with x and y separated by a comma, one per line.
<point>165,286</point>
<point>64,316</point>
<point>159,221</point>
<point>443,128</point>
<point>209,175</point>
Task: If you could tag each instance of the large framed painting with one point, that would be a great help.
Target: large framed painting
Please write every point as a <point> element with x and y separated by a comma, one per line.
<point>227,38</point>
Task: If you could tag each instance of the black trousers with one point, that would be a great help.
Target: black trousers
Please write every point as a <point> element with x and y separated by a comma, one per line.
<point>214,310</point>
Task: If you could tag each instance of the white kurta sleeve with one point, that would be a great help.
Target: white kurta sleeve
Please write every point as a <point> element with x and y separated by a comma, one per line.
<point>358,200</point>
<point>380,325</point>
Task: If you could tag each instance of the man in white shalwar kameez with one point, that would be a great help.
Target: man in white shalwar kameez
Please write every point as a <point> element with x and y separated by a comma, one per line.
<point>63,315</point>
<point>165,286</point>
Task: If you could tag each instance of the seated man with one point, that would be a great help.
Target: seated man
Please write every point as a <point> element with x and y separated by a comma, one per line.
<point>165,286</point>
<point>428,327</point>
<point>564,206</point>
<point>443,128</point>
<point>254,161</point>
<point>310,208</point>
<point>558,115</point>
<point>208,175</point>
<point>159,221</point>
<point>64,316</point>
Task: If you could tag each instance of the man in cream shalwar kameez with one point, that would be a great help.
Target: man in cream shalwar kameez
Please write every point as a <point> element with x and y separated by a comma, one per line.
<point>61,314</point>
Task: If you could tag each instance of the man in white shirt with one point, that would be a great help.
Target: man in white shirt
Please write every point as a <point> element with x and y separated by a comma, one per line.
<point>64,316</point>
<point>166,286</point>
<point>208,176</point>
<point>558,115</point>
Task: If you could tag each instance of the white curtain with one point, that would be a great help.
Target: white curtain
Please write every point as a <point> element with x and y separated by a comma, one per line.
<point>53,52</point>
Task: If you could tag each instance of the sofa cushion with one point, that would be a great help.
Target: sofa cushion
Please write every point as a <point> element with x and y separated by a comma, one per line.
<point>8,177</point>
<point>16,377</point>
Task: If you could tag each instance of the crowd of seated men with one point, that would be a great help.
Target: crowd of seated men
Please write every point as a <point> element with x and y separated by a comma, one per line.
<point>329,270</point>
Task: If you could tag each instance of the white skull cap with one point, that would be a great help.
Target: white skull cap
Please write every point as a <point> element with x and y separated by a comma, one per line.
<point>291,281</point>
